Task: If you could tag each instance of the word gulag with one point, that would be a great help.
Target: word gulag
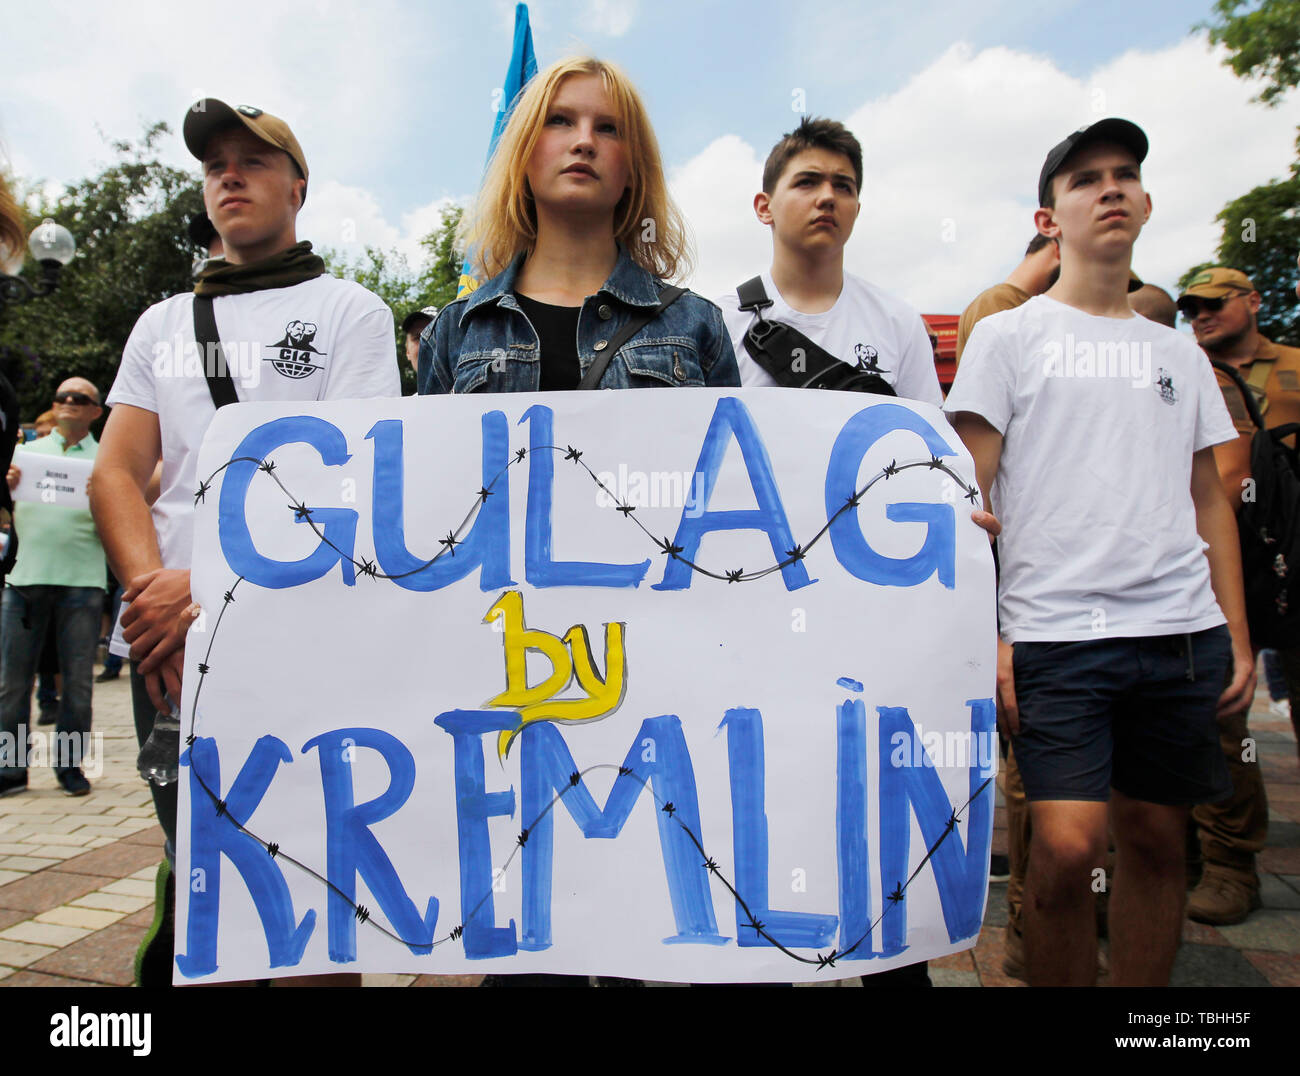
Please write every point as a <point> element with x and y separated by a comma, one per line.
<point>487,545</point>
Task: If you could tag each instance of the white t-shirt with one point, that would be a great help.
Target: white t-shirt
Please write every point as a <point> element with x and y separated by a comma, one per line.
<point>865,324</point>
<point>323,339</point>
<point>1099,418</point>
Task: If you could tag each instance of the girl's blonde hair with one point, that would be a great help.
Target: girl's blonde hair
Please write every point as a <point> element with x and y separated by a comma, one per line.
<point>12,239</point>
<point>503,221</point>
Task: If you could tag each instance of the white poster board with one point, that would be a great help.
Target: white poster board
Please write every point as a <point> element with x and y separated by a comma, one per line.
<point>538,686</point>
<point>52,479</point>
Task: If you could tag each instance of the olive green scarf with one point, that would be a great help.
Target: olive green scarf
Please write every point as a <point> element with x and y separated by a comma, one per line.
<point>281,270</point>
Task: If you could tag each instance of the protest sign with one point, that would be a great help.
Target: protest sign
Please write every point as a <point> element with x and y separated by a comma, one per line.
<point>691,686</point>
<point>52,479</point>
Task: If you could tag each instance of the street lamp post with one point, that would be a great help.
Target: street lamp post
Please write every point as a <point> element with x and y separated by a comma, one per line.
<point>52,245</point>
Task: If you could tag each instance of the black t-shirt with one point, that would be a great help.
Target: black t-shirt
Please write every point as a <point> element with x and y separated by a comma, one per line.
<point>557,332</point>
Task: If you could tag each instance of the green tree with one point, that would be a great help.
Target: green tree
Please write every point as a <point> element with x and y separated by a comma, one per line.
<point>1261,237</point>
<point>129,222</point>
<point>389,275</point>
<point>1261,229</point>
<point>1263,42</point>
<point>441,276</point>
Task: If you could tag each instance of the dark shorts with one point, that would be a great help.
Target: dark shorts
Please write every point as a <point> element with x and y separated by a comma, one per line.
<point>1136,715</point>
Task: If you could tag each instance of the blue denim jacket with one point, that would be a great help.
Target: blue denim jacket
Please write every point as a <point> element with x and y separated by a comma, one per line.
<point>485,343</point>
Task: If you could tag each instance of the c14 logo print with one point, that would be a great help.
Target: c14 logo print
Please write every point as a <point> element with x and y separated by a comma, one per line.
<point>293,355</point>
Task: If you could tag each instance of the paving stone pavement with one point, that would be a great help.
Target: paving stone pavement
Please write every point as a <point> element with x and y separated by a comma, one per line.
<point>76,879</point>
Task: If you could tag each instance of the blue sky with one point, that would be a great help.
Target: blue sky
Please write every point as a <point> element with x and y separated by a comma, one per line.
<point>956,104</point>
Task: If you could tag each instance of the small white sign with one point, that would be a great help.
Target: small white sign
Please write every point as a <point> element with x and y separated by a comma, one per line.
<point>52,479</point>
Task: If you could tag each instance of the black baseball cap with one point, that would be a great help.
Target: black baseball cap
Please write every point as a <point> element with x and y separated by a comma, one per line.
<point>418,319</point>
<point>1121,132</point>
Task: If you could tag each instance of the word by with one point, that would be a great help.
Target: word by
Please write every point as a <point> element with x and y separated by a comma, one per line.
<point>538,703</point>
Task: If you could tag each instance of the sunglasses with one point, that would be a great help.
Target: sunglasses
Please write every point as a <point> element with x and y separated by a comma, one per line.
<point>77,399</point>
<point>1192,305</point>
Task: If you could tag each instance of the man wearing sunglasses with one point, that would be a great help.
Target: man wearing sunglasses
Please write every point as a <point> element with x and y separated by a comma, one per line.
<point>1222,305</point>
<point>59,576</point>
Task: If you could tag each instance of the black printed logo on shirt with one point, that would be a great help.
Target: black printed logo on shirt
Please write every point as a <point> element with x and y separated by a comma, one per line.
<point>293,355</point>
<point>868,359</point>
<point>1165,386</point>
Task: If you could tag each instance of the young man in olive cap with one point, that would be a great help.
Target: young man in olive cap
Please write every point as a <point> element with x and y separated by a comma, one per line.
<point>291,332</point>
<point>1092,431</point>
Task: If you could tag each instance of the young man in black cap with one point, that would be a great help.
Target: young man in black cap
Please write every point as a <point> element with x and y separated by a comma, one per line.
<point>1092,431</point>
<point>413,326</point>
<point>289,332</point>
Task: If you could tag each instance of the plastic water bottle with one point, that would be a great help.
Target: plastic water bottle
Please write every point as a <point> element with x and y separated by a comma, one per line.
<point>159,761</point>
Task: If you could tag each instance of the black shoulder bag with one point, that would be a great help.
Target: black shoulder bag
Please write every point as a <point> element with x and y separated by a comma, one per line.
<point>597,369</point>
<point>794,360</point>
<point>1269,527</point>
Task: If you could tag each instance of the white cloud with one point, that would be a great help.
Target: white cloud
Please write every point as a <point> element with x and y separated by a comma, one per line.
<point>345,219</point>
<point>957,151</point>
<point>419,222</point>
<point>349,219</point>
<point>131,64</point>
<point>613,18</point>
<point>955,148</point>
<point>714,191</point>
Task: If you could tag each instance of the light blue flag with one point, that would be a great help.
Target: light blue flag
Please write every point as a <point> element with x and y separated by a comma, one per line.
<point>523,66</point>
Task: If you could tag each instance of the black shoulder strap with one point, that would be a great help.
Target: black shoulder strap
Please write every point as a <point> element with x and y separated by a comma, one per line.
<point>597,369</point>
<point>753,296</point>
<point>217,372</point>
<point>8,441</point>
<point>1249,397</point>
<point>794,361</point>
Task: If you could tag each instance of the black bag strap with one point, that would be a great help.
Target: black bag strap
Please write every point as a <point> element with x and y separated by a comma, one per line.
<point>753,296</point>
<point>596,370</point>
<point>1252,407</point>
<point>773,344</point>
<point>220,383</point>
<point>1281,433</point>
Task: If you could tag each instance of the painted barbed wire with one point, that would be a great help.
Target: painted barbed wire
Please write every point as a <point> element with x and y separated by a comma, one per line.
<point>367,567</point>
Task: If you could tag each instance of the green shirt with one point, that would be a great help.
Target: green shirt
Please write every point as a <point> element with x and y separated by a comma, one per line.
<point>57,546</point>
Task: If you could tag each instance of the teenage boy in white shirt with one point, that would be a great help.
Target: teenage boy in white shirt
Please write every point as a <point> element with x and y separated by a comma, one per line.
<point>810,199</point>
<point>1092,431</point>
<point>289,331</point>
